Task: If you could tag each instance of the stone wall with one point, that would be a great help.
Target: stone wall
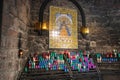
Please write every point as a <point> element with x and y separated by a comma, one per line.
<point>15,20</point>
<point>40,43</point>
<point>101,18</point>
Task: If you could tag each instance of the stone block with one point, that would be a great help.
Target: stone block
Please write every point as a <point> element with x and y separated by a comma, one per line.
<point>9,42</point>
<point>7,20</point>
<point>12,33</point>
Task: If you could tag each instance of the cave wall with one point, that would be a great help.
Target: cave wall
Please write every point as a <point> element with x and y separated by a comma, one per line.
<point>15,20</point>
<point>19,16</point>
<point>102,18</point>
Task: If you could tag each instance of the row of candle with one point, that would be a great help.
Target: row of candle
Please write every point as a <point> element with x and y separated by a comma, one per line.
<point>79,61</point>
<point>109,57</point>
<point>48,61</point>
<point>55,61</point>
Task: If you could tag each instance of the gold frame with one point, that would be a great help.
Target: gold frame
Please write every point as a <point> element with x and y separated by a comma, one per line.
<point>63,33</point>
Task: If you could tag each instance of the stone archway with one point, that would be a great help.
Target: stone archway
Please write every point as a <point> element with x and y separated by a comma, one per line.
<point>44,4</point>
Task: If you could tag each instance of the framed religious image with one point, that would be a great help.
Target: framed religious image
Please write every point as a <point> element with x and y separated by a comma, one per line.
<point>63,28</point>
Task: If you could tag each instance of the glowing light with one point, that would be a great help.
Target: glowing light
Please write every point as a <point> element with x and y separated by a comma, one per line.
<point>44,26</point>
<point>55,33</point>
<point>85,30</point>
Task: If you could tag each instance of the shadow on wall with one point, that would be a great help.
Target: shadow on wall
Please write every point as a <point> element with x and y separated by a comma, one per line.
<point>1,7</point>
